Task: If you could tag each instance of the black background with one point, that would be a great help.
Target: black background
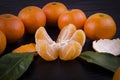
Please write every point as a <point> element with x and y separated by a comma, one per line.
<point>77,69</point>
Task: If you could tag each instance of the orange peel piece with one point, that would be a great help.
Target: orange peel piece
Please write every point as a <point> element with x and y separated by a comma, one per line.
<point>26,48</point>
<point>107,46</point>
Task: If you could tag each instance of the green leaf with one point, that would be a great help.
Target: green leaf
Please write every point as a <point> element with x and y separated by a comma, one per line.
<point>104,60</point>
<point>13,65</point>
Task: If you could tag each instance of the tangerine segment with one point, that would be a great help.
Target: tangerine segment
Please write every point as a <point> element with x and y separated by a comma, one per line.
<point>70,51</point>
<point>41,34</point>
<point>46,51</point>
<point>79,36</point>
<point>66,33</point>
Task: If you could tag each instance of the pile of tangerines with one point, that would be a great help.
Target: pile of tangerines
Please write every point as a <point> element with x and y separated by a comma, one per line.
<point>74,26</point>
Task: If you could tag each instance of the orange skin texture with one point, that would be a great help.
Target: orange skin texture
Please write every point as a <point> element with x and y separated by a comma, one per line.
<point>12,27</point>
<point>100,26</point>
<point>3,42</point>
<point>33,17</point>
<point>52,11</point>
<point>26,48</point>
<point>74,16</point>
<point>117,74</point>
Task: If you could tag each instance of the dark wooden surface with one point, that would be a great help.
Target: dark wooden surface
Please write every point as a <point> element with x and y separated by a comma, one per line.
<point>64,70</point>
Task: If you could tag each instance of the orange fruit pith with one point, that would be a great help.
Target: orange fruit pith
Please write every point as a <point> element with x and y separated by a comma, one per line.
<point>33,17</point>
<point>12,27</point>
<point>100,26</point>
<point>52,11</point>
<point>67,47</point>
<point>3,42</point>
<point>74,16</point>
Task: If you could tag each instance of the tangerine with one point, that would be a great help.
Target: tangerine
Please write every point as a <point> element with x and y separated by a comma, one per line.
<point>12,27</point>
<point>75,16</point>
<point>53,10</point>
<point>33,17</point>
<point>100,26</point>
<point>67,47</point>
<point>3,42</point>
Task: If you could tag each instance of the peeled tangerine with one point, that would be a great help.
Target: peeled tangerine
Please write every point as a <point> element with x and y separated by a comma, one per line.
<point>108,46</point>
<point>67,47</point>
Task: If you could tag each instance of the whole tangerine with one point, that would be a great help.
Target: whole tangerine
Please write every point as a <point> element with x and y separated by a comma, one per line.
<point>100,26</point>
<point>33,17</point>
<point>74,16</point>
<point>12,27</point>
<point>52,11</point>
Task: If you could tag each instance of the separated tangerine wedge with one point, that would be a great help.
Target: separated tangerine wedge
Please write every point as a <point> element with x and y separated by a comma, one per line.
<point>79,36</point>
<point>45,46</point>
<point>46,51</point>
<point>66,33</point>
<point>69,32</point>
<point>70,51</point>
<point>42,34</point>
